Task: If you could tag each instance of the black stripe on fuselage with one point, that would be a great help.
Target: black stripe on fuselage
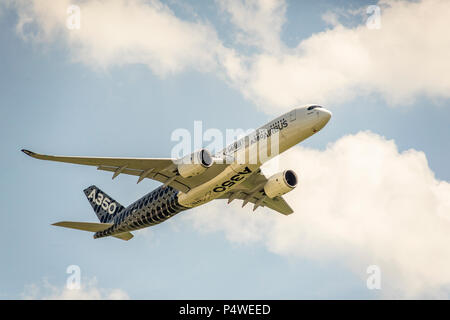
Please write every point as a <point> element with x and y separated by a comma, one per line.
<point>153,208</point>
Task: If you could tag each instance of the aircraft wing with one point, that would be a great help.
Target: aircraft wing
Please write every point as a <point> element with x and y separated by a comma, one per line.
<point>159,169</point>
<point>252,190</point>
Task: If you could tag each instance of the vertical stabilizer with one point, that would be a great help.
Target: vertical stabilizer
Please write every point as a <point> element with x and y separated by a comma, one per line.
<point>104,206</point>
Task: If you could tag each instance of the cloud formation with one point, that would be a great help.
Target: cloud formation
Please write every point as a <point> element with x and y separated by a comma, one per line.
<point>360,202</point>
<point>121,32</point>
<point>258,22</point>
<point>406,58</point>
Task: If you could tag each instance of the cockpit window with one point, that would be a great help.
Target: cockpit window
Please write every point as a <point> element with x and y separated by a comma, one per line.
<point>313,107</point>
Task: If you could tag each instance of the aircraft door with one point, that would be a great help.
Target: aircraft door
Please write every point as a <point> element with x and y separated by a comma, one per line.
<point>292,116</point>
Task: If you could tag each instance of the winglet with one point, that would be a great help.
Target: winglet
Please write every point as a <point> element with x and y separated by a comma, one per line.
<point>36,155</point>
<point>28,152</point>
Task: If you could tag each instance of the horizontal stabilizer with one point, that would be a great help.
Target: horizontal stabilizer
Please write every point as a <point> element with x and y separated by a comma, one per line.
<point>85,226</point>
<point>123,236</point>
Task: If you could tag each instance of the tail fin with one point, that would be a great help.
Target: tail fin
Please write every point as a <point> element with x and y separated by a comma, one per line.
<point>104,206</point>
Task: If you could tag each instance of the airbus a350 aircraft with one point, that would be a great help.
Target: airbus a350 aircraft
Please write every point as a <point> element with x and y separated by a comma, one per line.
<point>198,178</point>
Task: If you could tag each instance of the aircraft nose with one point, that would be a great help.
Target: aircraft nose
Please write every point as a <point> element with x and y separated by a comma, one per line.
<point>325,115</point>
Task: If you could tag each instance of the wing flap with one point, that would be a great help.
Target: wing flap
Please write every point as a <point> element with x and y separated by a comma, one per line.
<point>154,175</point>
<point>252,191</point>
<point>278,204</point>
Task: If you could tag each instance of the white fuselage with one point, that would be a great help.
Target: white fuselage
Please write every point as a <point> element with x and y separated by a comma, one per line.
<point>247,154</point>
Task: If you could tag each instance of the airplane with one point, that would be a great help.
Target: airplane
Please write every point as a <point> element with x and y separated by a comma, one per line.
<point>199,177</point>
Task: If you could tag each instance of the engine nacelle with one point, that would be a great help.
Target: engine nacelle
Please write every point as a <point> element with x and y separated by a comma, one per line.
<point>280,183</point>
<point>194,164</point>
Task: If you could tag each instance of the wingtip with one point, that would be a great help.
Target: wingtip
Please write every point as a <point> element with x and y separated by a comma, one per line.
<point>28,152</point>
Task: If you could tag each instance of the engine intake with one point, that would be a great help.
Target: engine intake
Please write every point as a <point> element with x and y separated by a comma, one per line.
<point>280,183</point>
<point>194,164</point>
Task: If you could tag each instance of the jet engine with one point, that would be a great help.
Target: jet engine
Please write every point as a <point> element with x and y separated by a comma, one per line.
<point>195,163</point>
<point>280,183</point>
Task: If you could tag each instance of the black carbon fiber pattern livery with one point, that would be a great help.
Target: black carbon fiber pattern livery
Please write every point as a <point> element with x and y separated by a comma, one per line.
<point>155,207</point>
<point>105,207</point>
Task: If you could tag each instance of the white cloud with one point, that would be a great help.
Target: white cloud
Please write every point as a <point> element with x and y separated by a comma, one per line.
<point>258,22</point>
<point>119,32</point>
<point>360,202</point>
<point>406,58</point>
<point>88,291</point>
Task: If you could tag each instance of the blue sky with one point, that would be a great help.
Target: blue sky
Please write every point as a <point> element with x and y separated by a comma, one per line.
<point>53,101</point>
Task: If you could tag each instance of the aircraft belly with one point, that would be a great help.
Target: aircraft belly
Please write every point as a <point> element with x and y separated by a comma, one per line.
<point>231,177</point>
<point>227,180</point>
